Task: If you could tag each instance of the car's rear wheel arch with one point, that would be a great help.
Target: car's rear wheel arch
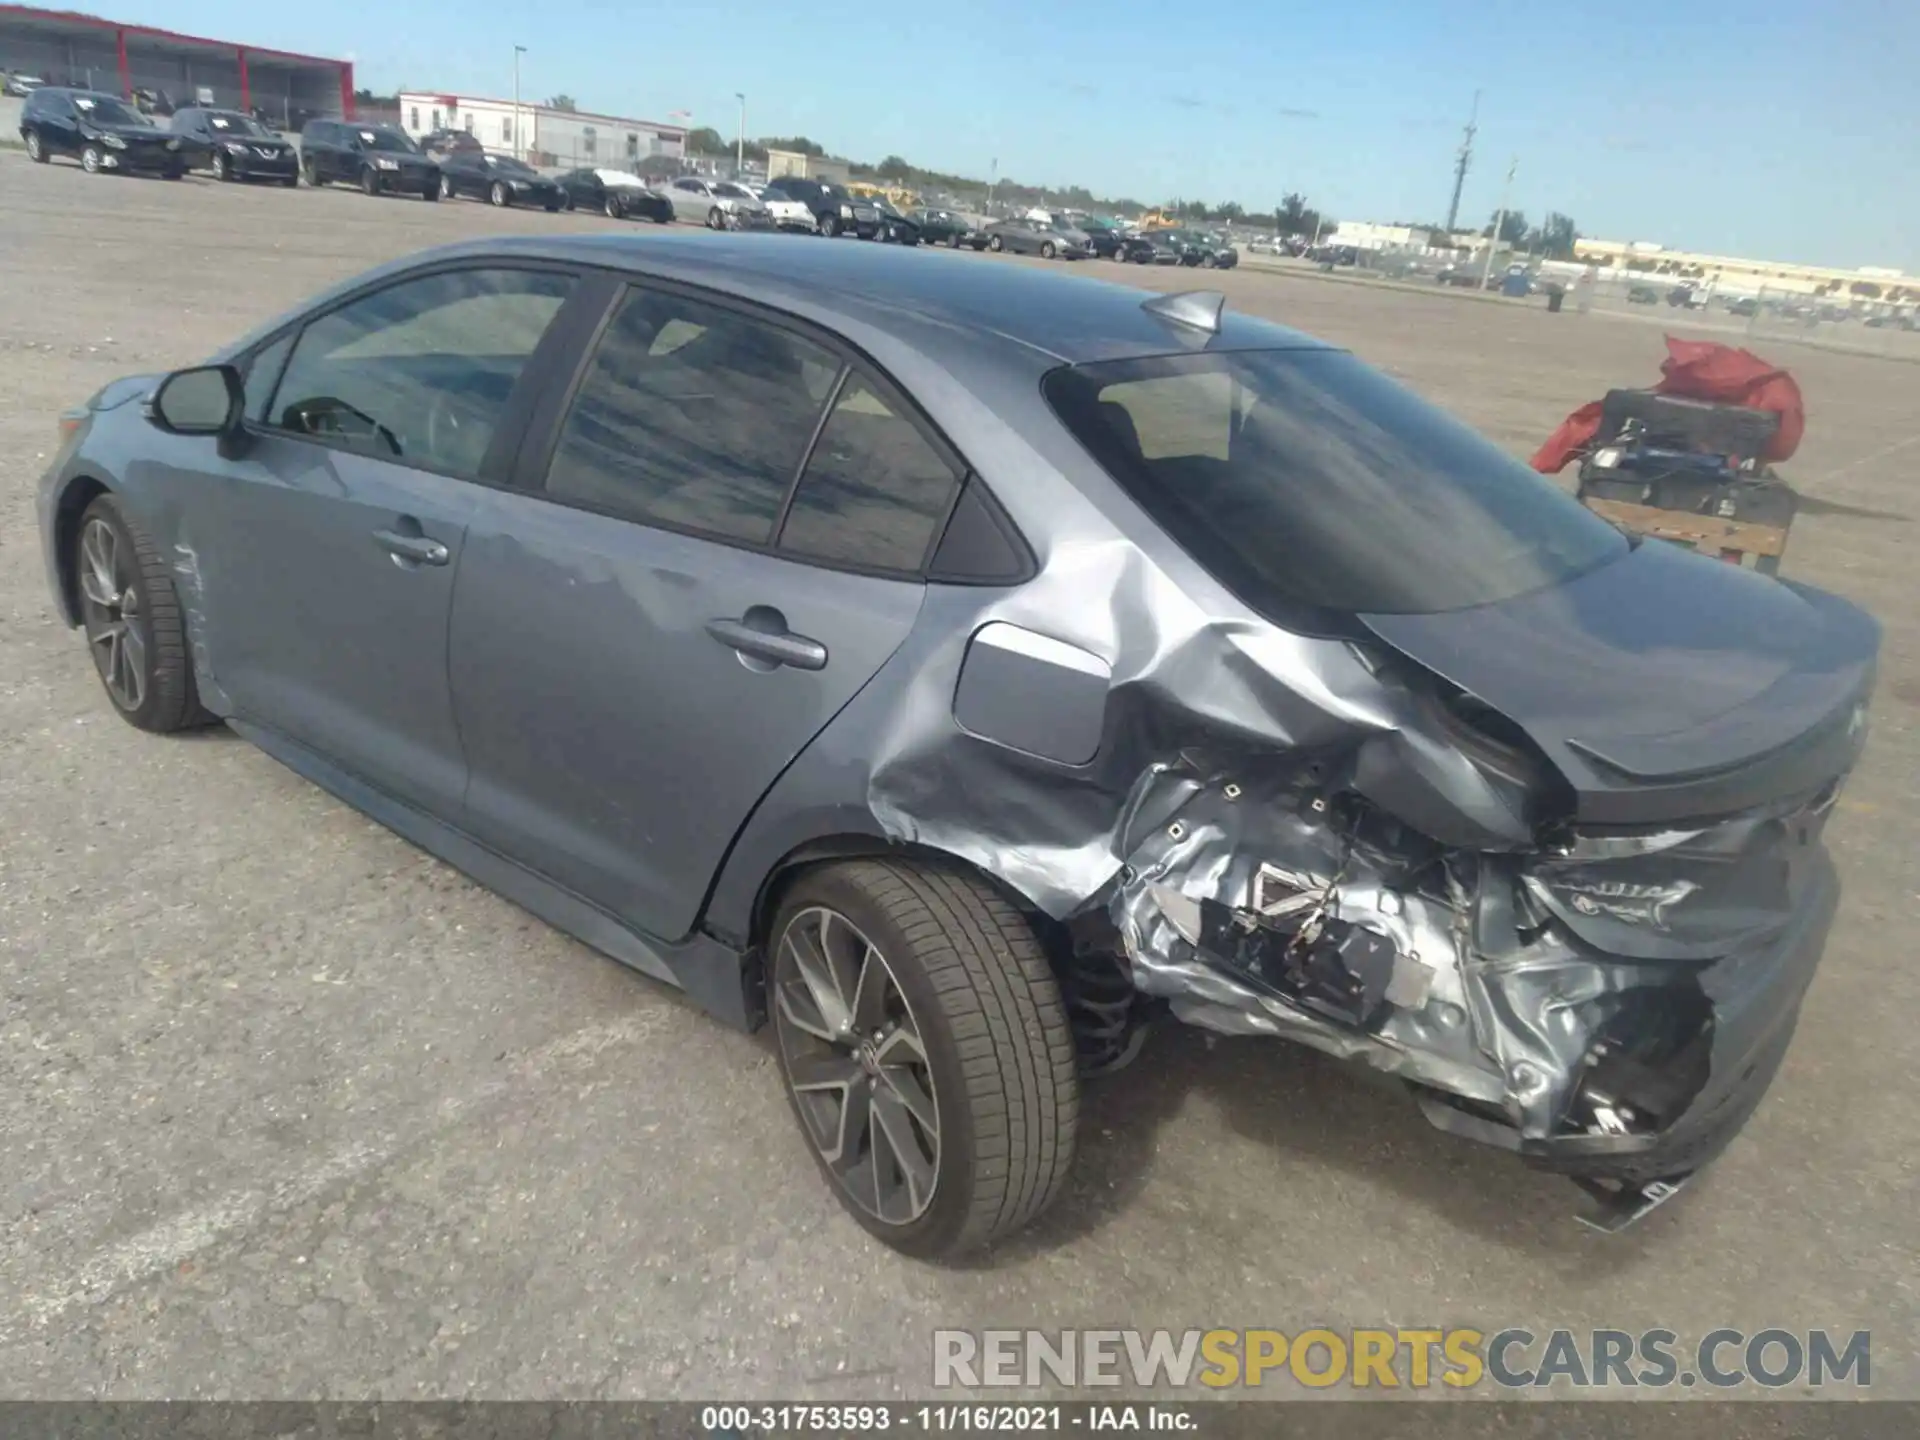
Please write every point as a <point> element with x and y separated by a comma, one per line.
<point>835,849</point>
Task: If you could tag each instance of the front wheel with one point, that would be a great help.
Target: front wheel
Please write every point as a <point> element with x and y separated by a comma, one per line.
<point>369,181</point>
<point>953,241</point>
<point>499,195</point>
<point>222,167</point>
<point>309,174</point>
<point>446,187</point>
<point>612,208</point>
<point>91,160</point>
<point>37,148</point>
<point>926,1052</point>
<point>134,626</point>
<point>716,219</point>
<point>996,244</point>
<point>1047,252</point>
<point>830,227</point>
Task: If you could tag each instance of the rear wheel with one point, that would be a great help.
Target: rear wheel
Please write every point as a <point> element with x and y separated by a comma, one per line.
<point>446,187</point>
<point>308,173</point>
<point>926,1052</point>
<point>222,167</point>
<point>37,148</point>
<point>135,630</point>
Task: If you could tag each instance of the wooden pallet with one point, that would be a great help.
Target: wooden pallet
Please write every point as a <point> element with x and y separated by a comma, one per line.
<point>1730,540</point>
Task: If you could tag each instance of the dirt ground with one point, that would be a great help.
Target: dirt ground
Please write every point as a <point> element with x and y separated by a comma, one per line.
<point>289,1109</point>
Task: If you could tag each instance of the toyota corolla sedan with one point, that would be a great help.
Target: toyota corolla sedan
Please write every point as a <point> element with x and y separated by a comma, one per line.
<point>964,667</point>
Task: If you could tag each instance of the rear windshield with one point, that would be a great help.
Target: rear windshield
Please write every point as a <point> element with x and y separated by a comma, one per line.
<point>1305,478</point>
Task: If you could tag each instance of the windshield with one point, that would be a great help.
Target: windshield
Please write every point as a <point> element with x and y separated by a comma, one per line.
<point>225,124</point>
<point>506,165</point>
<point>1306,478</point>
<point>738,192</point>
<point>105,110</point>
<point>391,140</point>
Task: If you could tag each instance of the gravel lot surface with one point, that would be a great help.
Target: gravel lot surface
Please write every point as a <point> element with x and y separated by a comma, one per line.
<point>289,1109</point>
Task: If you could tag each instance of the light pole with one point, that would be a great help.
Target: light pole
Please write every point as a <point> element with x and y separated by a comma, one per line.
<point>993,184</point>
<point>518,51</point>
<point>740,138</point>
<point>1499,223</point>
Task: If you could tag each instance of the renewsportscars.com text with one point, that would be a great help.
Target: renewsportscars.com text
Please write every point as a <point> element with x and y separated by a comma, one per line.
<point>1383,1359</point>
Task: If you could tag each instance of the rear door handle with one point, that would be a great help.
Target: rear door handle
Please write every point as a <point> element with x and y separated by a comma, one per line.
<point>776,647</point>
<point>421,549</point>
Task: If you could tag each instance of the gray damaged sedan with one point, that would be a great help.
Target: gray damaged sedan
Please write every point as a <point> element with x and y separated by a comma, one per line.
<point>965,666</point>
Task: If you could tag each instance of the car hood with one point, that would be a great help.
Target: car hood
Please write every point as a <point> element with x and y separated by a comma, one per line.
<point>1664,685</point>
<point>128,132</point>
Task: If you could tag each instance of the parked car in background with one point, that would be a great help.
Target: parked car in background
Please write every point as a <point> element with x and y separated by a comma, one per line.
<point>500,180</point>
<point>1104,239</point>
<point>785,211</point>
<point>944,227</point>
<point>616,194</point>
<point>377,158</point>
<point>1643,295</point>
<point>836,210</point>
<point>100,131</point>
<point>149,100</point>
<point>1745,305</point>
<point>896,226</point>
<point>20,85</point>
<point>717,204</point>
<point>1219,252</point>
<point>1028,236</point>
<point>236,146</point>
<point>444,142</point>
<point>1149,247</point>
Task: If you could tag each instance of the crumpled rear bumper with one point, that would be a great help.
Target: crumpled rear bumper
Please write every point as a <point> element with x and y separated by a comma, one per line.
<point>1252,906</point>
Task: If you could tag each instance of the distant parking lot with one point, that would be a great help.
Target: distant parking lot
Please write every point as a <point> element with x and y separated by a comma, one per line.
<point>288,1108</point>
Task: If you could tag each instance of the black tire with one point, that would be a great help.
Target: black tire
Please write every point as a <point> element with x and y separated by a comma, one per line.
<point>169,698</point>
<point>716,219</point>
<point>611,207</point>
<point>222,167</point>
<point>995,244</point>
<point>308,173</point>
<point>177,172</point>
<point>431,192</point>
<point>499,195</point>
<point>1047,250</point>
<point>37,148</point>
<point>90,159</point>
<point>995,1038</point>
<point>446,188</point>
<point>553,207</point>
<point>370,181</point>
<point>953,241</point>
<point>291,181</point>
<point>830,227</point>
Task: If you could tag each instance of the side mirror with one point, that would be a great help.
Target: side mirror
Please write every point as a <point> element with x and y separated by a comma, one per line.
<point>209,400</point>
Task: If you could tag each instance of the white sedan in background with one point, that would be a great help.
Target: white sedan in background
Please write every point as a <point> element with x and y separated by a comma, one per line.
<point>717,204</point>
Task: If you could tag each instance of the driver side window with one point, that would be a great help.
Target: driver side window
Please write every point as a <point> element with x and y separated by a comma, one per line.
<point>418,373</point>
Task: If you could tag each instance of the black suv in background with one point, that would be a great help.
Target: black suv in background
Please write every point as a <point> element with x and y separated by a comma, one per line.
<point>835,211</point>
<point>101,131</point>
<point>236,146</point>
<point>377,158</point>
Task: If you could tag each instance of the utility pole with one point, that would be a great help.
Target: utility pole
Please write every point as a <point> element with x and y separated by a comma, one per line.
<point>1499,223</point>
<point>518,51</point>
<point>993,183</point>
<point>740,138</point>
<point>1465,161</point>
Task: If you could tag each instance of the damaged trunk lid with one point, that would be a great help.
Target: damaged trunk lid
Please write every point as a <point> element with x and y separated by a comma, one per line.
<point>1664,686</point>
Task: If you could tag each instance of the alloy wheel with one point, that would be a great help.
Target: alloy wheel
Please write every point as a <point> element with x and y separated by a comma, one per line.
<point>222,170</point>
<point>857,1065</point>
<point>110,609</point>
<point>446,187</point>
<point>90,160</point>
<point>33,145</point>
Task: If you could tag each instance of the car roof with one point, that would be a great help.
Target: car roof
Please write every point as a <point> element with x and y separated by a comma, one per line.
<point>917,297</point>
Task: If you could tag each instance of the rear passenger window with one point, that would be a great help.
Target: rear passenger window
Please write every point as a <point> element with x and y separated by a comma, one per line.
<point>693,416</point>
<point>875,492</point>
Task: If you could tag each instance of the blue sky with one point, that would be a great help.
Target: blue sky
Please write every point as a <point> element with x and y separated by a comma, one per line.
<point>1789,133</point>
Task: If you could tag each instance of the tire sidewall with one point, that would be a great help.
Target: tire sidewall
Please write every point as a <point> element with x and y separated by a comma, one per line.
<point>369,182</point>
<point>996,244</point>
<point>90,160</point>
<point>498,195</point>
<point>222,167</point>
<point>36,148</point>
<point>944,1219</point>
<point>153,702</point>
<point>446,187</point>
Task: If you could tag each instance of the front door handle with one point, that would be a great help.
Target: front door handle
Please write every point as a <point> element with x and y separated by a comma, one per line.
<point>420,549</point>
<point>776,646</point>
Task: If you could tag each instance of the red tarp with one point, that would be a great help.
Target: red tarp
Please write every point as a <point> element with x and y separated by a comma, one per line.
<point>1697,370</point>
